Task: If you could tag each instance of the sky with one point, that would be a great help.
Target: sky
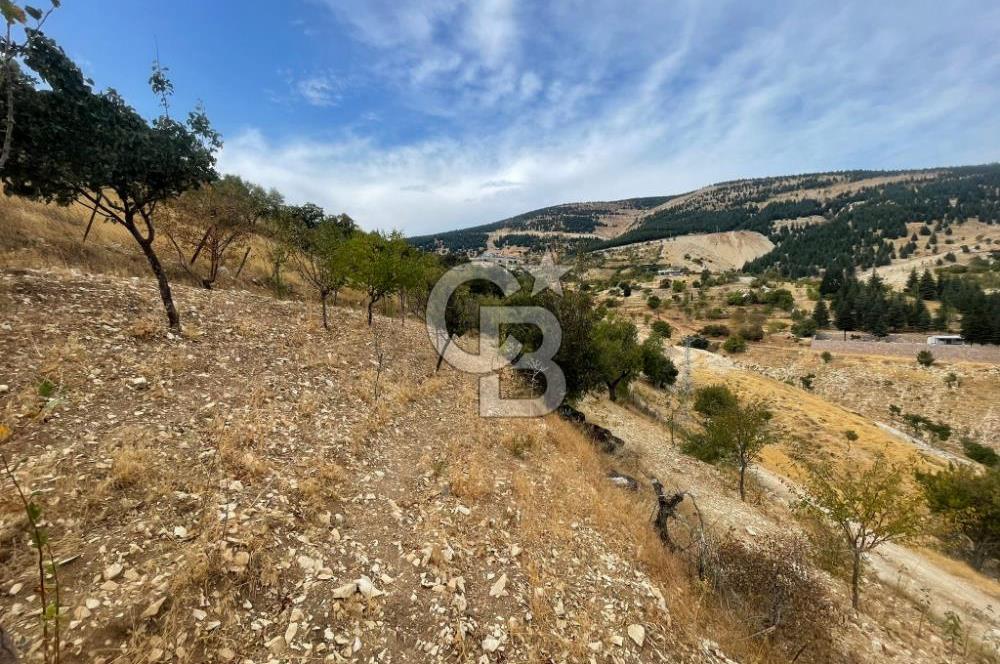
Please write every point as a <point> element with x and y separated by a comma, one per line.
<point>428,115</point>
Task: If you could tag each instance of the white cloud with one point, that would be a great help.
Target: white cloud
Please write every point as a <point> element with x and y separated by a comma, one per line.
<point>599,103</point>
<point>319,90</point>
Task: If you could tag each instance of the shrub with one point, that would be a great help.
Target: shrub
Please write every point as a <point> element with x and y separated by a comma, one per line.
<point>980,453</point>
<point>696,341</point>
<point>735,344</point>
<point>925,358</point>
<point>715,330</point>
<point>752,332</point>
<point>662,329</point>
<point>807,381</point>
<point>826,357</point>
<point>658,367</point>
<point>713,399</point>
<point>653,302</point>
<point>804,328</point>
<point>772,586</point>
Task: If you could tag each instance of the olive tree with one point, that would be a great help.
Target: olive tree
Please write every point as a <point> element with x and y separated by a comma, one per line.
<point>75,145</point>
<point>618,354</point>
<point>968,502</point>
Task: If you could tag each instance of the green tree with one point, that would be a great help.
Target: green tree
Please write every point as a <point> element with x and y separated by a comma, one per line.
<point>76,145</point>
<point>653,302</point>
<point>925,358</point>
<point>845,319</point>
<point>869,507</point>
<point>927,288</point>
<point>323,259</point>
<point>968,502</point>
<point>662,329</point>
<point>375,263</point>
<point>619,357</point>
<point>733,433</point>
<point>735,344</point>
<point>658,367</point>
<point>821,314</point>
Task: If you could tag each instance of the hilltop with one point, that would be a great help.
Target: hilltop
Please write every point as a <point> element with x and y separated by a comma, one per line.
<point>813,221</point>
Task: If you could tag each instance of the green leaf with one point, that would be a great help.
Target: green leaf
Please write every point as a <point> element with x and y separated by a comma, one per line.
<point>33,12</point>
<point>34,511</point>
<point>51,611</point>
<point>11,12</point>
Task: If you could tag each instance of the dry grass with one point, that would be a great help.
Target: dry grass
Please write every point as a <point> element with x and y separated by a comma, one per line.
<point>131,467</point>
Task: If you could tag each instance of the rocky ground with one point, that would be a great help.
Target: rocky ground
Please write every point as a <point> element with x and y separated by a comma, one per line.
<point>240,494</point>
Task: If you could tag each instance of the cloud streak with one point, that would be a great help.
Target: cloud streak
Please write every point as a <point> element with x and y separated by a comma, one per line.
<point>519,107</point>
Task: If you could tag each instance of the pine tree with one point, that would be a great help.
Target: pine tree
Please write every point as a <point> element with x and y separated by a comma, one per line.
<point>912,282</point>
<point>821,314</point>
<point>845,316</point>
<point>927,287</point>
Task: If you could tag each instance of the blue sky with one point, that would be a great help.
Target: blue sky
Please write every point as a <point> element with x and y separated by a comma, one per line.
<point>426,115</point>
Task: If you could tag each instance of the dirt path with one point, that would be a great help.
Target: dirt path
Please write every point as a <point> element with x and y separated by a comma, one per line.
<point>893,565</point>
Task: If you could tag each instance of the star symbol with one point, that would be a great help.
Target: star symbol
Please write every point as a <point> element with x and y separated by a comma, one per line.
<point>547,274</point>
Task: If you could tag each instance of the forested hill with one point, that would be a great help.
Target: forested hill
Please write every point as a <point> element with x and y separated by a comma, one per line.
<point>815,220</point>
<point>569,221</point>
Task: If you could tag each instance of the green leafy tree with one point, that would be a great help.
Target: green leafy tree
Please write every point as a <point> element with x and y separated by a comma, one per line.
<point>375,263</point>
<point>619,357</point>
<point>869,506</point>
<point>734,433</point>
<point>735,344</point>
<point>77,145</point>
<point>656,366</point>
<point>323,258</point>
<point>654,302</point>
<point>968,502</point>
<point>662,329</point>
<point>14,14</point>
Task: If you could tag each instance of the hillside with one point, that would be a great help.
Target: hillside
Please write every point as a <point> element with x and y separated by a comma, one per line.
<point>814,220</point>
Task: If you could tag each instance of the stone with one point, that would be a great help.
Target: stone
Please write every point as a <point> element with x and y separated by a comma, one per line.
<point>113,571</point>
<point>498,588</point>
<point>637,633</point>
<point>345,591</point>
<point>154,608</point>
<point>490,644</point>
<point>367,588</point>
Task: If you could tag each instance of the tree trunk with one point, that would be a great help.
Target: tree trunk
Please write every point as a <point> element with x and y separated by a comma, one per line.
<point>613,389</point>
<point>856,581</point>
<point>441,355</point>
<point>322,300</point>
<point>743,472</point>
<point>173,318</point>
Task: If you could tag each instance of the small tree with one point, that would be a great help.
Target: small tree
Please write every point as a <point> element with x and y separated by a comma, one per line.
<point>870,506</point>
<point>662,329</point>
<point>968,502</point>
<point>76,145</point>
<point>375,260</point>
<point>653,302</point>
<point>619,357</point>
<point>733,433</point>
<point>322,257</point>
<point>214,220</point>
<point>735,344</point>
<point>713,399</point>
<point>925,358</point>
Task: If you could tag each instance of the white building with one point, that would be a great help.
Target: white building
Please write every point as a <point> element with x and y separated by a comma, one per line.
<point>945,340</point>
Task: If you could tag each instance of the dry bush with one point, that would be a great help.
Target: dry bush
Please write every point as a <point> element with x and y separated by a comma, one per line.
<point>145,328</point>
<point>772,587</point>
<point>470,479</point>
<point>131,467</point>
<point>239,447</point>
<point>519,444</point>
<point>323,486</point>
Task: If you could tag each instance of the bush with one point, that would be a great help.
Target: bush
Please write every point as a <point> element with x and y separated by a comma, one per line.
<point>715,330</point>
<point>804,328</point>
<point>773,587</point>
<point>925,358</point>
<point>826,357</point>
<point>735,344</point>
<point>653,302</point>
<point>662,329</point>
<point>980,453</point>
<point>713,399</point>
<point>752,332</point>
<point>695,341</point>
